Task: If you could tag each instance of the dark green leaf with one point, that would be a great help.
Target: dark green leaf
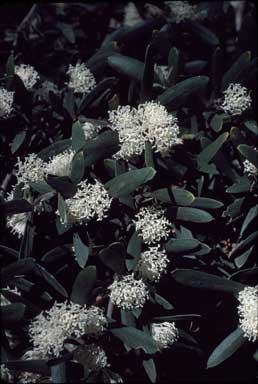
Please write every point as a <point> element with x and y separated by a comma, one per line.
<point>163,302</point>
<point>181,245</point>
<point>233,75</point>
<point>203,280</point>
<point>148,155</point>
<point>62,185</point>
<point>54,149</point>
<point>81,251</point>
<point>206,203</point>
<point>127,66</point>
<point>251,215</point>
<point>12,314</point>
<point>173,63</point>
<point>83,285</point>
<point>103,146</point>
<point>210,151</point>
<point>50,279</point>
<point>17,141</point>
<point>204,34</point>
<point>150,369</point>
<point>78,137</point>
<point>243,245</point>
<point>134,338</point>
<point>128,182</point>
<point>77,167</point>
<point>226,348</point>
<point>252,126</point>
<point>62,209</point>
<point>148,74</point>
<point>249,153</point>
<point>177,95</point>
<point>114,257</point>
<point>167,195</point>
<point>193,215</point>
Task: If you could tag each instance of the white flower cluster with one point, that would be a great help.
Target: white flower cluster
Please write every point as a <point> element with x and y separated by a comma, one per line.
<point>90,200</point>
<point>32,169</point>
<point>249,168</point>
<point>149,122</point>
<point>152,263</point>
<point>92,356</point>
<point>6,376</point>
<point>6,102</point>
<point>152,225</point>
<point>248,312</point>
<point>17,223</point>
<point>27,74</point>
<point>50,329</point>
<point>90,130</point>
<point>164,334</point>
<point>128,293</point>
<point>182,10</point>
<point>4,300</point>
<point>61,164</point>
<point>236,99</point>
<point>80,78</point>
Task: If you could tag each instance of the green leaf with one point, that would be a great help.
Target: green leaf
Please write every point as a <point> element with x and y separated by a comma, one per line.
<point>226,348</point>
<point>17,141</point>
<point>127,318</point>
<point>233,75</point>
<point>187,317</point>
<point>81,251</point>
<point>41,187</point>
<point>177,95</point>
<point>148,155</point>
<point>27,240</point>
<point>217,69</point>
<point>193,215</point>
<point>251,215</point>
<point>206,203</point>
<point>217,122</point>
<point>114,257</point>
<point>62,185</point>
<point>249,153</point>
<point>241,260</point>
<point>78,137</point>
<point>127,66</point>
<point>83,285</point>
<point>9,71</point>
<point>134,338</point>
<point>20,267</point>
<point>103,146</point>
<point>241,186</point>
<point>128,182</point>
<point>243,245</point>
<point>173,63</point>
<point>167,195</point>
<point>50,279</point>
<point>210,151</point>
<point>163,302</point>
<point>54,149</point>
<point>78,167</point>
<point>203,280</point>
<point>181,245</point>
<point>150,369</point>
<point>203,33</point>
<point>69,103</point>
<point>12,314</point>
<point>148,74</point>
<point>62,208</point>
<point>134,250</point>
<point>252,126</point>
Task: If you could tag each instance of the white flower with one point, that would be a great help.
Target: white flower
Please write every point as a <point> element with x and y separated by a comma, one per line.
<point>80,78</point>
<point>90,201</point>
<point>164,334</point>
<point>90,130</point>
<point>61,164</point>
<point>4,300</point>
<point>50,329</point>
<point>128,293</point>
<point>236,99</point>
<point>248,312</point>
<point>150,122</point>
<point>152,225</point>
<point>161,128</point>
<point>249,168</point>
<point>182,10</point>
<point>28,75</point>
<point>92,356</point>
<point>6,376</point>
<point>152,263</point>
<point>6,102</point>
<point>17,223</point>
<point>32,169</point>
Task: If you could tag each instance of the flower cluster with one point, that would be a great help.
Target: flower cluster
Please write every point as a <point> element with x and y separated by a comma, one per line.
<point>182,10</point>
<point>50,329</point>
<point>249,168</point>
<point>90,200</point>
<point>17,223</point>
<point>152,263</point>
<point>248,312</point>
<point>236,99</point>
<point>90,130</point>
<point>32,169</point>
<point>6,102</point>
<point>6,376</point>
<point>27,74</point>
<point>81,80</point>
<point>92,356</point>
<point>164,334</point>
<point>128,293</point>
<point>61,164</point>
<point>152,225</point>
<point>150,122</point>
